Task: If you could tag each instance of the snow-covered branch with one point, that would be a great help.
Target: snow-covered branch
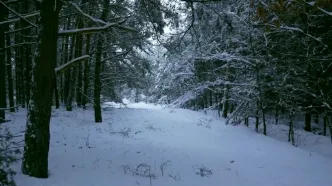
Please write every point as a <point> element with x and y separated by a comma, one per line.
<point>300,31</point>
<point>91,30</point>
<point>87,15</point>
<point>67,65</point>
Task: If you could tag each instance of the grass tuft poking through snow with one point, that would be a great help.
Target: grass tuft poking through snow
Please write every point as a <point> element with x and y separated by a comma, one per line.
<point>143,144</point>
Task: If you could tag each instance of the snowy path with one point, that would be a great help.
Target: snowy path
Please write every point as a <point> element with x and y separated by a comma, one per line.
<point>86,154</point>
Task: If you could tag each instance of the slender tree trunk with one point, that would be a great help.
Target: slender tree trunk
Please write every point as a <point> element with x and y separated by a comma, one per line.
<point>28,54</point>
<point>277,114</point>
<point>70,79</point>
<point>10,75</point>
<point>97,85</point>
<point>86,72</point>
<point>56,93</point>
<point>78,53</point>
<point>291,128</point>
<point>257,116</point>
<point>307,121</point>
<point>2,65</point>
<point>37,135</point>
<point>226,95</point>
<point>325,124</point>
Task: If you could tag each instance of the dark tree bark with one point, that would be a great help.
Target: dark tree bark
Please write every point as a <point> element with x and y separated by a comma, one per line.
<point>325,124</point>
<point>56,94</point>
<point>277,114</point>
<point>9,75</point>
<point>291,128</point>
<point>28,54</point>
<point>86,72</point>
<point>97,83</point>
<point>307,122</point>
<point>37,135</point>
<point>78,53</point>
<point>2,65</point>
<point>70,79</point>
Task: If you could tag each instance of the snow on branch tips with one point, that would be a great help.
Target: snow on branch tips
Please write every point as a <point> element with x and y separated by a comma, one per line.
<point>102,25</point>
<point>69,64</point>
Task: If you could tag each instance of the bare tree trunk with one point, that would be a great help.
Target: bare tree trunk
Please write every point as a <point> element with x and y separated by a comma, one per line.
<point>291,128</point>
<point>10,75</point>
<point>70,79</point>
<point>37,135</point>
<point>28,54</point>
<point>78,53</point>
<point>277,114</point>
<point>257,116</point>
<point>97,85</point>
<point>307,121</point>
<point>226,96</point>
<point>2,65</point>
<point>325,124</point>
<point>86,72</point>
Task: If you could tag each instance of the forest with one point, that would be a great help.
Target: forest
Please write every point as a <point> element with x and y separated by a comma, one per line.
<point>265,65</point>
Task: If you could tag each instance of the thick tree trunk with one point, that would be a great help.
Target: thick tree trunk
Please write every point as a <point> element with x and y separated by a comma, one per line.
<point>307,121</point>
<point>2,65</point>
<point>37,135</point>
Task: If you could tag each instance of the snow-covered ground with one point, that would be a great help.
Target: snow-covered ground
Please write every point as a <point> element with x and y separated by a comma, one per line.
<point>143,144</point>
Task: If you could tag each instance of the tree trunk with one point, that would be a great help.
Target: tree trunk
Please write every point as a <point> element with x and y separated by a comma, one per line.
<point>277,114</point>
<point>325,124</point>
<point>291,129</point>
<point>86,72</point>
<point>97,85</point>
<point>307,121</point>
<point>37,135</point>
<point>10,75</point>
<point>226,95</point>
<point>56,93</point>
<point>257,116</point>
<point>70,79</point>
<point>28,54</point>
<point>2,65</point>
<point>78,53</point>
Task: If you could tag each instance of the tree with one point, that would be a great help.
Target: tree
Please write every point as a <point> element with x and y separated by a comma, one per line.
<point>37,135</point>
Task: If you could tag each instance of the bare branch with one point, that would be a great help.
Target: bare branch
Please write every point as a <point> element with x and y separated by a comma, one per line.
<point>18,30</point>
<point>18,19</point>
<point>8,8</point>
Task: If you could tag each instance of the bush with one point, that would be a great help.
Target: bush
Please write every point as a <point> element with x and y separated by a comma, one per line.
<point>8,152</point>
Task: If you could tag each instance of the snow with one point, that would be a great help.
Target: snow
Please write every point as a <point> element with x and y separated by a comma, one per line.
<point>83,153</point>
